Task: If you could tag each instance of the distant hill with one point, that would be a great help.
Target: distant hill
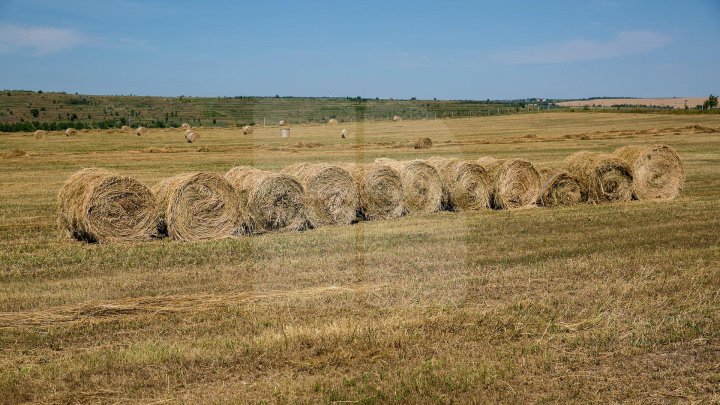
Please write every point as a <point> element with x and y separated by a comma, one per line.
<point>28,110</point>
<point>675,102</point>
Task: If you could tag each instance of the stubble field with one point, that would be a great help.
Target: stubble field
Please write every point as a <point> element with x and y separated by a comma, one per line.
<point>595,303</point>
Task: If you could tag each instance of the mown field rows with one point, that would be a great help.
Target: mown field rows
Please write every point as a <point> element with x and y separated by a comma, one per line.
<point>583,303</point>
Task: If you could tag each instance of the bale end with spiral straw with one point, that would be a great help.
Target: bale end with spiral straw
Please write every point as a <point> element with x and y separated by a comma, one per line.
<point>657,171</point>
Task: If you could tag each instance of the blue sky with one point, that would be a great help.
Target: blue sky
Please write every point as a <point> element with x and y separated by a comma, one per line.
<point>402,49</point>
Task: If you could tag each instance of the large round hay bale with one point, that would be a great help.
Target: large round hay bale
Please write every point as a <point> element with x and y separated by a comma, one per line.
<point>248,130</point>
<point>559,187</point>
<point>380,190</point>
<point>195,206</point>
<point>273,201</point>
<point>603,177</point>
<point>284,132</point>
<point>397,118</point>
<point>192,136</point>
<point>657,171</point>
<point>332,121</point>
<point>125,128</point>
<point>464,183</point>
<point>422,143</point>
<point>422,187</point>
<point>40,134</point>
<point>71,132</point>
<point>185,125</point>
<point>141,131</point>
<point>344,133</point>
<point>96,205</point>
<point>282,123</point>
<point>330,193</point>
<point>514,183</point>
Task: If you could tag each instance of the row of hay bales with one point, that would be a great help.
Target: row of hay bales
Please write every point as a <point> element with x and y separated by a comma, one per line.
<point>97,205</point>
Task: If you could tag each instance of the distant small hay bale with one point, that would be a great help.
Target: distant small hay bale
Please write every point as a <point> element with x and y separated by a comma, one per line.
<point>330,193</point>
<point>332,121</point>
<point>559,187</point>
<point>422,186</point>
<point>380,190</point>
<point>40,134</point>
<point>196,206</point>
<point>125,128</point>
<point>657,171</point>
<point>422,143</point>
<point>603,177</point>
<point>282,123</point>
<point>397,118</point>
<point>344,133</point>
<point>465,186</point>
<point>185,125</point>
<point>96,205</point>
<point>284,132</point>
<point>514,183</point>
<point>273,201</point>
<point>71,132</point>
<point>248,130</point>
<point>141,131</point>
<point>192,137</point>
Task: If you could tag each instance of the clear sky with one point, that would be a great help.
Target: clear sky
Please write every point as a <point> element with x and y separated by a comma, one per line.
<point>409,48</point>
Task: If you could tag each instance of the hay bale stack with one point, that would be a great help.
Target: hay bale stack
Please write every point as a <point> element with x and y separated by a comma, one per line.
<point>141,131</point>
<point>125,128</point>
<point>397,118</point>
<point>248,130</point>
<point>422,187</point>
<point>422,143</point>
<point>603,177</point>
<point>185,125</point>
<point>40,134</point>
<point>330,193</point>
<point>559,187</point>
<point>96,205</point>
<point>273,201</point>
<point>657,171</point>
<point>379,190</point>
<point>514,183</point>
<point>70,132</point>
<point>332,121</point>
<point>464,184</point>
<point>192,136</point>
<point>196,206</point>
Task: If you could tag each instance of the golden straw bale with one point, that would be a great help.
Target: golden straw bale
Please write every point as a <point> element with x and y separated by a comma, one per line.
<point>559,187</point>
<point>422,187</point>
<point>248,130</point>
<point>514,183</point>
<point>380,190</point>
<point>464,183</point>
<point>657,171</point>
<point>603,177</point>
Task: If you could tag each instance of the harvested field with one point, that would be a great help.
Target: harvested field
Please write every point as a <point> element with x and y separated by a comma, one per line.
<point>581,303</point>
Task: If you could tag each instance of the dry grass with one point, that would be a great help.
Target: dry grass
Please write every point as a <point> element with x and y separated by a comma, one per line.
<point>585,303</point>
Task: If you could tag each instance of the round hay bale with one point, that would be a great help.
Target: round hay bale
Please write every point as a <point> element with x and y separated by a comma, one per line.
<point>40,134</point>
<point>185,125</point>
<point>248,130</point>
<point>422,143</point>
<point>71,132</point>
<point>284,132</point>
<point>330,193</point>
<point>192,136</point>
<point>141,131</point>
<point>282,123</point>
<point>344,133</point>
<point>380,190</point>
<point>273,201</point>
<point>422,187</point>
<point>603,177</point>
<point>96,205</point>
<point>196,206</point>
<point>464,184</point>
<point>657,171</point>
<point>559,187</point>
<point>332,121</point>
<point>125,128</point>
<point>514,183</point>
<point>397,118</point>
